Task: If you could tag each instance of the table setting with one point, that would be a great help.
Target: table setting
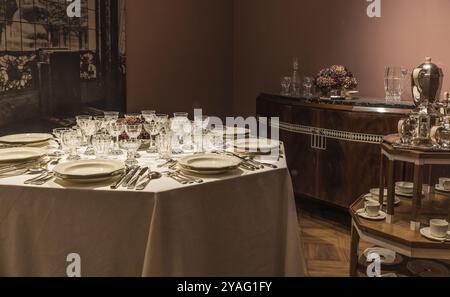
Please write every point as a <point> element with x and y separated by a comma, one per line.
<point>145,185</point>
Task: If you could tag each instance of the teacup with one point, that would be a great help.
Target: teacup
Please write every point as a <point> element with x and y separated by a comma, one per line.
<point>444,183</point>
<point>372,208</point>
<point>438,228</point>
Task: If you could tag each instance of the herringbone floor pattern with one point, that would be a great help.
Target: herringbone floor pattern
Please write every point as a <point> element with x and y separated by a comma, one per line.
<point>326,246</point>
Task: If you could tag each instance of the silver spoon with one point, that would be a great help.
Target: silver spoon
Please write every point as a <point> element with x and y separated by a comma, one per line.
<point>151,176</point>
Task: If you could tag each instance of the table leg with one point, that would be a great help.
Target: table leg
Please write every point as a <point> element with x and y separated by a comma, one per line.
<point>381,186</point>
<point>354,246</point>
<point>417,198</point>
<point>391,192</point>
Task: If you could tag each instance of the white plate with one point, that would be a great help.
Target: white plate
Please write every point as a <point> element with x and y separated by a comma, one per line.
<point>19,154</point>
<point>387,256</point>
<point>88,169</point>
<point>376,192</point>
<point>209,162</point>
<point>362,213</point>
<point>231,132</point>
<point>400,193</point>
<point>440,189</point>
<point>369,197</point>
<point>88,180</point>
<point>425,232</point>
<point>256,144</point>
<point>405,187</point>
<point>27,138</point>
<point>207,172</point>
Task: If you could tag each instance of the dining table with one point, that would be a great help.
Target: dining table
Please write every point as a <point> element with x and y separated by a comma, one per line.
<point>238,224</point>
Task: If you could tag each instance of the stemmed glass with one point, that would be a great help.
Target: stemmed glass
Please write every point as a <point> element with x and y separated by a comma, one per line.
<point>72,140</point>
<point>162,123</point>
<point>89,128</point>
<point>79,119</point>
<point>131,145</point>
<point>148,115</point>
<point>181,126</point>
<point>116,129</point>
<point>133,131</point>
<point>152,129</point>
<point>200,130</point>
<point>308,83</point>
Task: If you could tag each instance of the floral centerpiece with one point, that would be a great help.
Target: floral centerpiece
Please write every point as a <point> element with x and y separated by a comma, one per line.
<point>337,77</point>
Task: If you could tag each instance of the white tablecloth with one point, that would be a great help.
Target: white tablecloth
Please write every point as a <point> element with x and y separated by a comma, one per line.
<point>241,224</point>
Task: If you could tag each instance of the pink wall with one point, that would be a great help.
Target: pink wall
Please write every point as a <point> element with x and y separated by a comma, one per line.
<point>267,33</point>
<point>179,55</point>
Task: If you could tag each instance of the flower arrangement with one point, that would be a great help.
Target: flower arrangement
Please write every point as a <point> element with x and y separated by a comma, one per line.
<point>335,77</point>
<point>15,72</point>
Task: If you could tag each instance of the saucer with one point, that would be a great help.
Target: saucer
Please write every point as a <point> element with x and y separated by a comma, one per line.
<point>440,189</point>
<point>369,197</point>
<point>400,193</point>
<point>362,213</point>
<point>427,234</point>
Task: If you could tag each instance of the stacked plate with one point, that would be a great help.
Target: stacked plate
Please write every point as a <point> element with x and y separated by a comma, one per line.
<point>209,164</point>
<point>26,139</point>
<point>404,189</point>
<point>12,159</point>
<point>89,171</point>
<point>256,145</point>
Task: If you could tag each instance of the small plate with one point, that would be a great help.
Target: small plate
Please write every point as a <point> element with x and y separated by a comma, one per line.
<point>425,232</point>
<point>27,138</point>
<point>440,189</point>
<point>362,213</point>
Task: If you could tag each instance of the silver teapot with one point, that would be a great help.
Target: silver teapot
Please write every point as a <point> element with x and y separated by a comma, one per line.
<point>426,85</point>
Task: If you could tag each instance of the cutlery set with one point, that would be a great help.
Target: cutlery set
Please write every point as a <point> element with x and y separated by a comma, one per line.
<point>182,178</point>
<point>136,178</point>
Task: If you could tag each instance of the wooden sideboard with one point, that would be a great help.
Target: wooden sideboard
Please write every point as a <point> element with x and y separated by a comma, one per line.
<point>333,148</point>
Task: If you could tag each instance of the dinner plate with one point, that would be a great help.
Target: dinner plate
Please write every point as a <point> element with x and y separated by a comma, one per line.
<point>207,172</point>
<point>89,169</point>
<point>26,138</point>
<point>209,162</point>
<point>256,144</point>
<point>231,132</point>
<point>88,180</point>
<point>20,154</point>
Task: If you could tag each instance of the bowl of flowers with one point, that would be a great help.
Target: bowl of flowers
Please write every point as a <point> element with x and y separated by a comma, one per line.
<point>336,79</point>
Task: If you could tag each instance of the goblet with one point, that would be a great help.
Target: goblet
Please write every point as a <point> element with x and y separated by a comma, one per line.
<point>89,128</point>
<point>79,119</point>
<point>131,145</point>
<point>116,129</point>
<point>133,131</point>
<point>152,129</point>
<point>148,115</point>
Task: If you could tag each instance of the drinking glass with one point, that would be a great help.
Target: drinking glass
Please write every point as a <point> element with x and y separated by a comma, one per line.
<point>79,119</point>
<point>148,115</point>
<point>62,148</point>
<point>89,128</point>
<point>152,129</point>
<point>101,123</point>
<point>181,126</point>
<point>285,85</point>
<point>308,83</point>
<point>72,140</point>
<point>133,131</point>
<point>200,132</point>
<point>394,78</point>
<point>116,129</point>
<point>131,145</point>
<point>102,145</point>
<point>164,145</point>
<point>162,122</point>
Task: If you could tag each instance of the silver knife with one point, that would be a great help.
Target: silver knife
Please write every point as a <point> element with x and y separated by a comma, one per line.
<point>132,184</point>
<point>130,176</point>
<point>121,180</point>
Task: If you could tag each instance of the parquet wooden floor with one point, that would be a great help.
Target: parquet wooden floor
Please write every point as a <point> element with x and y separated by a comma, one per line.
<point>326,246</point>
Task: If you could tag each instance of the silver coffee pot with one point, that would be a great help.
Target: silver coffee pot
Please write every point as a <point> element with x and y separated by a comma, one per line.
<point>426,85</point>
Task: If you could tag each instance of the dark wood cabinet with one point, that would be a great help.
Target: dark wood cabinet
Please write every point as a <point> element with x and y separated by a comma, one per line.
<point>332,150</point>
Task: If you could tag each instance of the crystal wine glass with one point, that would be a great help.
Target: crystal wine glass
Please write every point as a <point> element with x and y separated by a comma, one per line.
<point>116,129</point>
<point>133,131</point>
<point>131,145</point>
<point>89,128</point>
<point>72,140</point>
